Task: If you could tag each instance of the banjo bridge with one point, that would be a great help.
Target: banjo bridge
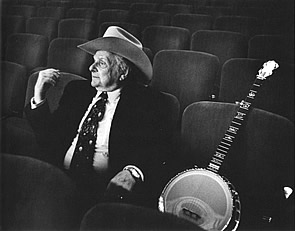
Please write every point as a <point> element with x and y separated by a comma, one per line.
<point>191,214</point>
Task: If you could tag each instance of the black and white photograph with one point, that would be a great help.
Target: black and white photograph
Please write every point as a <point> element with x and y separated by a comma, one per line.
<point>147,115</point>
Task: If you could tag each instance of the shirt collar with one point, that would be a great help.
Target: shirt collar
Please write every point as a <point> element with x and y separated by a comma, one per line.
<point>112,95</point>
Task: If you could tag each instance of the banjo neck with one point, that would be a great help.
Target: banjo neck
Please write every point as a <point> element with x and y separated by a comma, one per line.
<point>235,125</point>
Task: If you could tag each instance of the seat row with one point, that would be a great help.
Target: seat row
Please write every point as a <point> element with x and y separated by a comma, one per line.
<point>187,5</point>
<point>188,75</point>
<point>248,25</point>
<point>33,51</point>
<point>170,9</point>
<point>251,165</point>
<point>89,28</point>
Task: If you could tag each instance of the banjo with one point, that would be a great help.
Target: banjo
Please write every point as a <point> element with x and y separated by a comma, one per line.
<point>202,196</point>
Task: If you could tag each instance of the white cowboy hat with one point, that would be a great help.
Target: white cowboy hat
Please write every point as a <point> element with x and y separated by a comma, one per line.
<point>121,42</point>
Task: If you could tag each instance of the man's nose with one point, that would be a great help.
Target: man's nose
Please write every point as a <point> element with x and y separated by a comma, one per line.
<point>92,68</point>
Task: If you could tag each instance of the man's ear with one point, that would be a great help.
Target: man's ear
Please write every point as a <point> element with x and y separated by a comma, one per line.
<point>124,74</point>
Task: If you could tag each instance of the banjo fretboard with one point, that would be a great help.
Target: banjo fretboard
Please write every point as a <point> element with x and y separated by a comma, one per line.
<point>235,125</point>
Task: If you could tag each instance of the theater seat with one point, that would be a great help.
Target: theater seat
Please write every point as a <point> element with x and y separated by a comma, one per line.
<point>149,18</point>
<point>36,3</point>
<point>22,10</point>
<point>193,22</point>
<point>173,9</point>
<point>259,163</point>
<point>64,55</point>
<point>214,11</point>
<point>86,13</point>
<point>141,6</point>
<point>248,26</point>
<point>188,75</point>
<point>117,5</point>
<point>159,38</point>
<point>173,114</point>
<point>86,4</point>
<point>118,216</point>
<point>276,93</point>
<point>36,195</point>
<point>51,12</point>
<point>42,26</point>
<point>29,50</point>
<point>58,3</point>
<point>223,44</point>
<point>111,15</point>
<point>278,47</point>
<point>13,88</point>
<point>76,28</point>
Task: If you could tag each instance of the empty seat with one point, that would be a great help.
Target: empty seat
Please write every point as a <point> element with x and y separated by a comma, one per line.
<point>131,28</point>
<point>6,4</point>
<point>51,12</point>
<point>193,22</point>
<point>76,28</point>
<point>173,9</point>
<point>13,88</point>
<point>215,12</point>
<point>149,18</point>
<point>252,163</point>
<point>64,55</point>
<point>278,47</point>
<point>36,3</point>
<point>22,10</point>
<point>220,3</point>
<point>85,4</point>
<point>42,26</point>
<point>260,13</point>
<point>116,216</point>
<point>248,26</point>
<point>223,44</point>
<point>11,24</point>
<point>86,13</point>
<point>112,15</point>
<point>141,6</point>
<point>165,37</point>
<point>276,93</point>
<point>188,75</point>
<point>35,195</point>
<point>118,5</point>
<point>26,49</point>
<point>58,3</point>
<point>254,3</point>
<point>277,26</point>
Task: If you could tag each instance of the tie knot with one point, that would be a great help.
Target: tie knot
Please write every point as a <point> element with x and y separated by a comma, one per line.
<point>103,96</point>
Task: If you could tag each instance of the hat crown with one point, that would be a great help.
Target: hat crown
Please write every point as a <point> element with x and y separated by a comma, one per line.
<point>118,32</point>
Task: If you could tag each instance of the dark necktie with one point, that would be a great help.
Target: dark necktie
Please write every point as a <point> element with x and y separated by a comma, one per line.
<point>84,151</point>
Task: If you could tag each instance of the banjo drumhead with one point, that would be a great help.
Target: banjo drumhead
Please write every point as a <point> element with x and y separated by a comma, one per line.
<point>200,196</point>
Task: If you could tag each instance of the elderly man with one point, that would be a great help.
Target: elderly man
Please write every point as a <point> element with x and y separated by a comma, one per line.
<point>111,133</point>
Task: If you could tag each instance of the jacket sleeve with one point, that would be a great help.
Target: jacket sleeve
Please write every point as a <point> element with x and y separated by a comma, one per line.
<point>48,127</point>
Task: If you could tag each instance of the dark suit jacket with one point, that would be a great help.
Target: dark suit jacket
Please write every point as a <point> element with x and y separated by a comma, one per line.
<point>139,132</point>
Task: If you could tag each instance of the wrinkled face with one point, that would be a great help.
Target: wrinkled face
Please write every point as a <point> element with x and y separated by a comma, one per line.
<point>105,71</point>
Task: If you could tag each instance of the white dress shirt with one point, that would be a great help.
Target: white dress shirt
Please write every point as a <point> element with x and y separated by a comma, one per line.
<point>101,156</point>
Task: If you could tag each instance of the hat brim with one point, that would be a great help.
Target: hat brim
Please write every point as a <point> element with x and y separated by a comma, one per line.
<point>125,49</point>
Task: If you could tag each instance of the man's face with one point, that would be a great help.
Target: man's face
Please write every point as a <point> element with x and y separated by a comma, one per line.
<point>104,71</point>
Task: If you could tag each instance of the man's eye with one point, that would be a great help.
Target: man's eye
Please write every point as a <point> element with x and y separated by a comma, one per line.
<point>102,64</point>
